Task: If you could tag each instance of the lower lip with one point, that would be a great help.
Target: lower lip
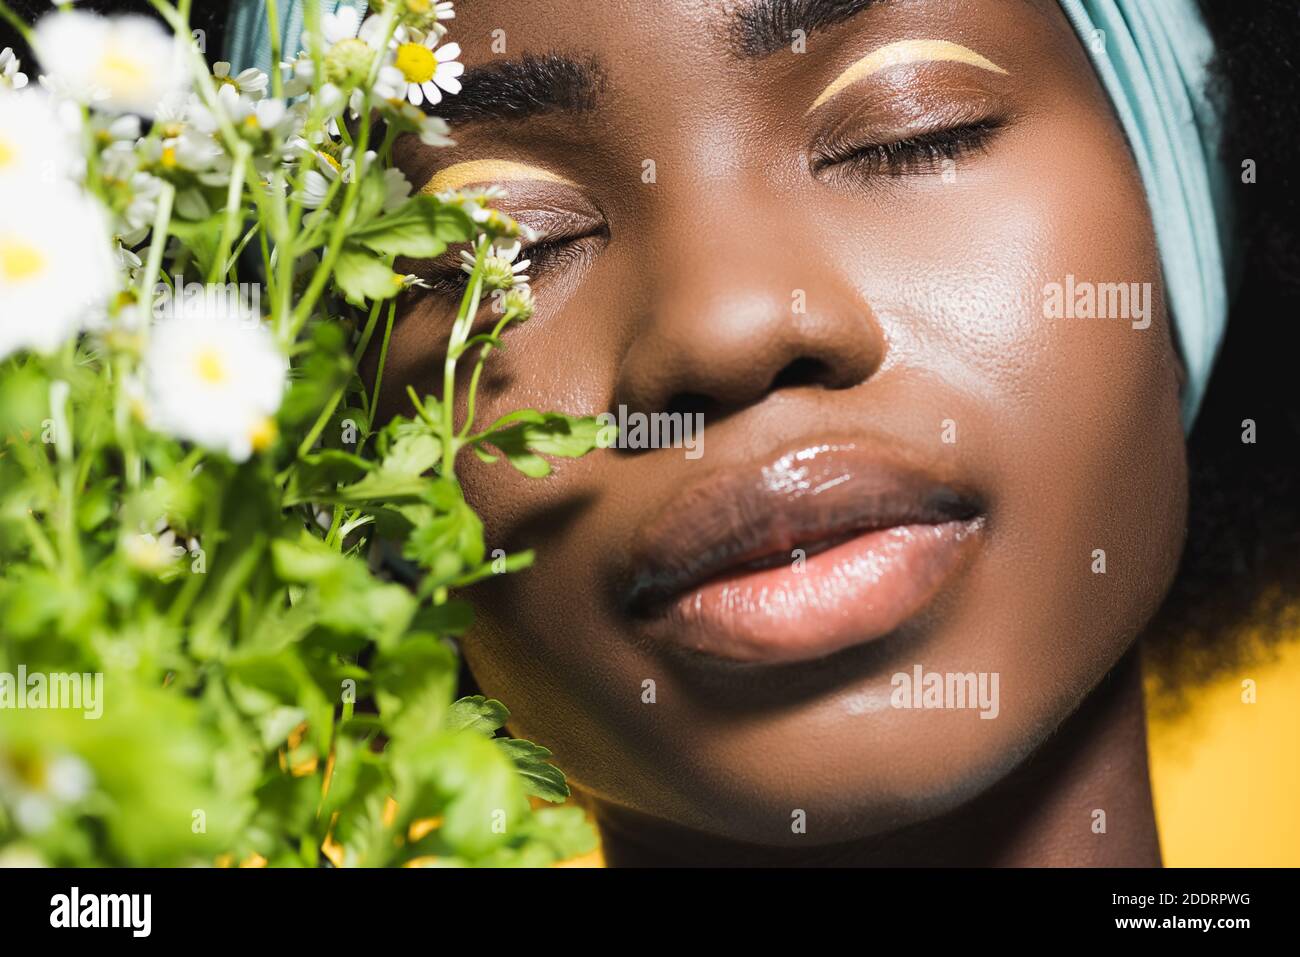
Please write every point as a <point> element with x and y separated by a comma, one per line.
<point>853,593</point>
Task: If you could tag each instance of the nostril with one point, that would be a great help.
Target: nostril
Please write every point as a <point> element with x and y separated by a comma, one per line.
<point>801,372</point>
<point>689,403</point>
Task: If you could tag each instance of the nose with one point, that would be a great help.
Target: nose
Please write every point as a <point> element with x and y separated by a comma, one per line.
<point>730,316</point>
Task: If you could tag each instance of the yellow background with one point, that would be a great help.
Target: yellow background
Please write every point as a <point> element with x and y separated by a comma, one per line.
<point>1226,774</point>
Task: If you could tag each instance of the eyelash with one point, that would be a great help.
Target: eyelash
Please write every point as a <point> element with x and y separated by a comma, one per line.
<point>545,255</point>
<point>915,155</point>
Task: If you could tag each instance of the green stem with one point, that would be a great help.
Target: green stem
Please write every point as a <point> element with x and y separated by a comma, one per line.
<point>40,544</point>
<point>234,209</point>
<point>273,25</point>
<point>337,397</point>
<point>478,371</point>
<point>17,23</point>
<point>459,333</point>
<point>350,198</point>
<point>383,359</point>
<point>157,242</point>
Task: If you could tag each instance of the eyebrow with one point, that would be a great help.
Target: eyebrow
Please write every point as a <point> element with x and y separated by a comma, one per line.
<point>533,85</point>
<point>763,27</point>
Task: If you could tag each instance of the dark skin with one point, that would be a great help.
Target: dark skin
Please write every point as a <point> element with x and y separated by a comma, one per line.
<point>924,298</point>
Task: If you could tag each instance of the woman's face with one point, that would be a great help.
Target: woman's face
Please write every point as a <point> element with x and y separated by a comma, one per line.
<point>843,265</point>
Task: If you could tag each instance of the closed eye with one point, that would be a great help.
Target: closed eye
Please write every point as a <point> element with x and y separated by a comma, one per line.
<point>921,154</point>
<point>551,255</point>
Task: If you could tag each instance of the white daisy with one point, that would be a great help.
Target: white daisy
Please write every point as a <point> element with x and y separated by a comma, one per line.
<point>56,266</point>
<point>115,133</point>
<point>432,130</point>
<point>183,145</point>
<point>518,299</point>
<point>128,64</point>
<point>152,554</point>
<point>340,25</point>
<point>36,149</point>
<point>38,786</point>
<point>250,82</point>
<point>500,271</point>
<point>328,169</point>
<point>419,71</point>
<point>9,75</point>
<point>215,380</point>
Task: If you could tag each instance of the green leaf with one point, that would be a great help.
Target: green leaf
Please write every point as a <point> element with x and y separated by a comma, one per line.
<point>566,831</point>
<point>381,485</point>
<point>541,778</point>
<point>412,455</point>
<point>305,560</point>
<point>449,543</point>
<point>477,713</point>
<point>551,433</point>
<point>276,724</point>
<point>319,474</point>
<point>361,276</point>
<point>414,682</point>
<point>422,228</point>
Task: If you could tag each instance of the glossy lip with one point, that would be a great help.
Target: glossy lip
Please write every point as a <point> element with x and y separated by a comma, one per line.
<point>714,572</point>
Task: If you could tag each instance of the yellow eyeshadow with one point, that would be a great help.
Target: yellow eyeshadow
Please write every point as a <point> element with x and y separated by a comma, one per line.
<point>489,171</point>
<point>905,51</point>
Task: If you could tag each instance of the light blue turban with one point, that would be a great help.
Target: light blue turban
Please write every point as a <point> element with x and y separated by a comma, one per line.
<point>1152,57</point>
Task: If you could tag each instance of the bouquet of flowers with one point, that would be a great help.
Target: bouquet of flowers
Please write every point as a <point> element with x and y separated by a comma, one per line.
<point>202,658</point>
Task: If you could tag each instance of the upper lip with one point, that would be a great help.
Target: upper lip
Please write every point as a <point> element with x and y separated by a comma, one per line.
<point>811,498</point>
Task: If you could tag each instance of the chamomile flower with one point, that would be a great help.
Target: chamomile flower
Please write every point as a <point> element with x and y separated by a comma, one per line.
<point>340,25</point>
<point>248,115</point>
<point>9,75</point>
<point>127,64</point>
<point>432,130</point>
<point>36,149</point>
<point>250,82</point>
<point>419,70</point>
<point>518,300</point>
<point>500,271</point>
<point>184,146</point>
<point>115,134</point>
<point>214,379</point>
<point>56,266</point>
<point>474,202</point>
<point>37,786</point>
<point>152,554</point>
<point>329,168</point>
<point>423,14</point>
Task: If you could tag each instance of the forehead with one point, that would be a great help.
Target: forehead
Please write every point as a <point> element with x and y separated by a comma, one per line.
<point>675,41</point>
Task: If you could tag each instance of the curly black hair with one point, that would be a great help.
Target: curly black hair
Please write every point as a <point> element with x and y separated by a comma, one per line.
<point>1237,594</point>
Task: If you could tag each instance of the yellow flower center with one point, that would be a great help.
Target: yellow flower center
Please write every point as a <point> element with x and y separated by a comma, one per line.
<point>120,73</point>
<point>168,158</point>
<point>7,153</point>
<point>210,368</point>
<point>338,167</point>
<point>416,62</point>
<point>20,260</point>
<point>250,122</point>
<point>263,435</point>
